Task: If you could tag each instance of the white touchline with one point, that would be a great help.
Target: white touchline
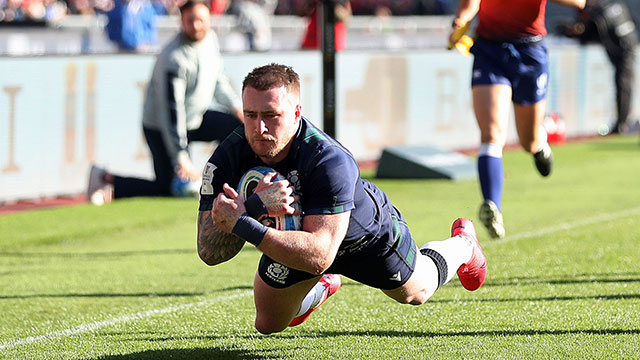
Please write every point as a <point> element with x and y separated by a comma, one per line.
<point>126,318</point>
<point>570,225</point>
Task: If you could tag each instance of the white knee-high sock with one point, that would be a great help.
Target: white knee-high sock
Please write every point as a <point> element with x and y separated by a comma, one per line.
<point>313,298</point>
<point>453,252</point>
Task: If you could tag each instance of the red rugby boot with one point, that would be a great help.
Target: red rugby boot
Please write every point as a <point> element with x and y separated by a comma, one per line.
<point>332,282</point>
<point>473,273</point>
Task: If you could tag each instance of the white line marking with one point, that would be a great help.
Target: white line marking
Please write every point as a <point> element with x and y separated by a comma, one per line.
<point>145,314</point>
<point>126,318</point>
<point>570,225</point>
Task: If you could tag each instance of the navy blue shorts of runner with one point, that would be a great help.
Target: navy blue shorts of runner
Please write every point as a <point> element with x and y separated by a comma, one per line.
<point>384,262</point>
<point>522,66</point>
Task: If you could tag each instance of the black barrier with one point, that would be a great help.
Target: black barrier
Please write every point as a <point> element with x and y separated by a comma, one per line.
<point>425,162</point>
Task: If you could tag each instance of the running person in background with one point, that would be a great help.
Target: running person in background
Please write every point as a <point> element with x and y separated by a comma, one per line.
<point>187,77</point>
<point>312,10</point>
<point>510,65</point>
<point>349,226</point>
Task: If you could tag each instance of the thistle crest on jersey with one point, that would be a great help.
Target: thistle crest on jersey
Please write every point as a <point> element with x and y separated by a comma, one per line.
<point>247,186</point>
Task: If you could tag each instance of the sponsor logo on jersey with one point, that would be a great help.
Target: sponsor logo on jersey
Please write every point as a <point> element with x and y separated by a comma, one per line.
<point>207,179</point>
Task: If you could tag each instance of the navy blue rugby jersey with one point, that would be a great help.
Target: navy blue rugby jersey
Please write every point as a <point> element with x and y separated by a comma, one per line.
<point>323,173</point>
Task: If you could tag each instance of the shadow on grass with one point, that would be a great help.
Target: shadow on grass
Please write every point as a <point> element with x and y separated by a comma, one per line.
<point>548,298</point>
<point>626,277</point>
<point>27,254</point>
<point>232,288</point>
<point>101,254</point>
<point>125,295</point>
<point>192,354</point>
<point>101,295</point>
<point>489,333</point>
<point>218,353</point>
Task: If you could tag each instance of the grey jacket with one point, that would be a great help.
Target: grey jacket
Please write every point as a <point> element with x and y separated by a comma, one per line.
<point>186,78</point>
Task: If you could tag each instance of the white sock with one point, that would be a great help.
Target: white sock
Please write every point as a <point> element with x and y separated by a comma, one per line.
<point>455,251</point>
<point>489,149</point>
<point>544,145</point>
<point>545,148</point>
<point>313,298</point>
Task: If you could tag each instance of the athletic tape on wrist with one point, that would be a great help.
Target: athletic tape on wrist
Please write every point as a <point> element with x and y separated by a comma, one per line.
<point>255,207</point>
<point>249,229</point>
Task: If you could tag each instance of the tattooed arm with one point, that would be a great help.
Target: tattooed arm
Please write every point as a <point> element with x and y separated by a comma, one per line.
<point>214,245</point>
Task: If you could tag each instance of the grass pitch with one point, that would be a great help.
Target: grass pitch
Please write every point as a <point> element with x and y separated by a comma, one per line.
<point>123,281</point>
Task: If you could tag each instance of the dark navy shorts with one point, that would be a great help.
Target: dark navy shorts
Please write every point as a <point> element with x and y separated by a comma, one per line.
<point>524,67</point>
<point>385,261</point>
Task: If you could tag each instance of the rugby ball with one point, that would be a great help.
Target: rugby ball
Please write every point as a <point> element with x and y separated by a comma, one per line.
<point>248,184</point>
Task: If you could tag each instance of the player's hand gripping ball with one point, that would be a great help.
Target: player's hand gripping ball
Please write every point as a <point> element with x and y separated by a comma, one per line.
<point>248,184</point>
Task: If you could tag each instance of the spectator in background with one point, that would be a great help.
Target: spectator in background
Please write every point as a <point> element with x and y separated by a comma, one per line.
<point>510,66</point>
<point>254,20</point>
<point>132,25</point>
<point>55,10</point>
<point>31,11</point>
<point>165,7</point>
<point>610,23</point>
<point>35,10</point>
<point>431,7</point>
<point>13,11</point>
<point>89,7</point>
<point>102,6</point>
<point>378,7</point>
<point>219,7</point>
<point>81,7</point>
<point>401,7</point>
<point>285,7</point>
<point>312,9</point>
<point>187,77</point>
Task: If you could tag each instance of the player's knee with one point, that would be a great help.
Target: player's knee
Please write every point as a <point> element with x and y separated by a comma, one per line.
<point>418,299</point>
<point>414,299</point>
<point>266,327</point>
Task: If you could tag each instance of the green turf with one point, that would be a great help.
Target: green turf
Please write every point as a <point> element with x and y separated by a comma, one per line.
<point>123,281</point>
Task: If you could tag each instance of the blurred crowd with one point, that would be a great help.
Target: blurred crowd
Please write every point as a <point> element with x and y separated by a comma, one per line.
<point>380,7</point>
<point>131,24</point>
<point>24,11</point>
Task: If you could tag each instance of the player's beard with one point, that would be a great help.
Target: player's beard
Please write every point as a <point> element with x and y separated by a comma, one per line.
<point>267,147</point>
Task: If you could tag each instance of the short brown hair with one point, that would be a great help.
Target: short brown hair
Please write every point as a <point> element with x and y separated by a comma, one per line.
<point>272,76</point>
<point>190,4</point>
